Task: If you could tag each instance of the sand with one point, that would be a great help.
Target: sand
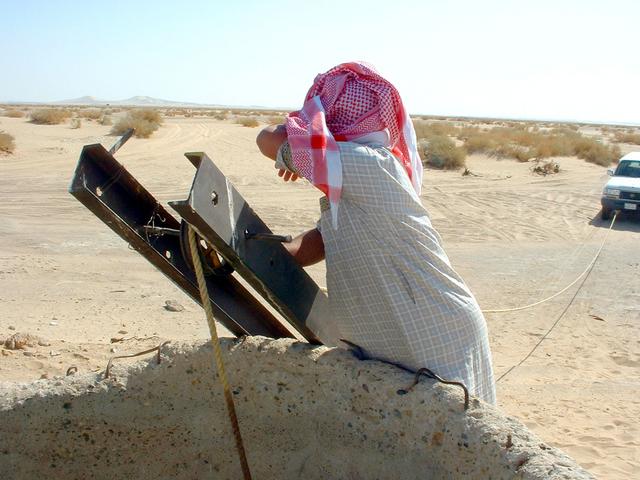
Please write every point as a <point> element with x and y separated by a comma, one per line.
<point>515,237</point>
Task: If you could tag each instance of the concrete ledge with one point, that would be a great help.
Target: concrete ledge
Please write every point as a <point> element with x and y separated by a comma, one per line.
<point>305,412</point>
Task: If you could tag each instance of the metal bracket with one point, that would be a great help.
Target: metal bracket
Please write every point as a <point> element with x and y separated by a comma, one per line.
<point>106,188</point>
<point>222,217</point>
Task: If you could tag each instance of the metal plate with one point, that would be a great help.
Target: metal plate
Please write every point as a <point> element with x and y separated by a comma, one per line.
<point>106,188</point>
<point>222,216</point>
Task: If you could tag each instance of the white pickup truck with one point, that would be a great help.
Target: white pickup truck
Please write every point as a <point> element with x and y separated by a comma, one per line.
<point>622,191</point>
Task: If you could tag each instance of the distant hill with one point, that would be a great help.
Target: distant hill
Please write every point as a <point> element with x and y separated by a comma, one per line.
<point>137,101</point>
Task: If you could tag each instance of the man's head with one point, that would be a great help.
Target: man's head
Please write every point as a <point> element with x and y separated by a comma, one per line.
<point>349,101</point>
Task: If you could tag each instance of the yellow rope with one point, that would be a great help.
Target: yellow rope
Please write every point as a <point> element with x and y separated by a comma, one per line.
<point>206,304</point>
<point>503,310</point>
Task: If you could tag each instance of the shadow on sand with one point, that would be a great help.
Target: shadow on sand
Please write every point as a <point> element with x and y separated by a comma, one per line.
<point>629,222</point>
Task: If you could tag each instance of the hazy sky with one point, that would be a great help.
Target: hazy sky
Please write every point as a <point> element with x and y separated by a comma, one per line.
<point>540,59</point>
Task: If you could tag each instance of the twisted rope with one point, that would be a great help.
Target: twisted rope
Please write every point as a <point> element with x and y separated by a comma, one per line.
<point>215,341</point>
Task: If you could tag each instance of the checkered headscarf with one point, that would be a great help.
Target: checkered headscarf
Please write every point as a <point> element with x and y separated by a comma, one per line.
<point>347,102</point>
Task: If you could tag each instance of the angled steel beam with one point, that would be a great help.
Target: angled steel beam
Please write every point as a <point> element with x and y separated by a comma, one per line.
<point>225,220</point>
<point>106,188</point>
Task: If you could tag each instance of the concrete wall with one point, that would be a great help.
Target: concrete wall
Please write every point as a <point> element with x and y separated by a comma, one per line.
<point>305,412</point>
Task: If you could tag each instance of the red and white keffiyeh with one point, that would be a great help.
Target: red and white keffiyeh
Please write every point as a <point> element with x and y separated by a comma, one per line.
<point>345,104</point>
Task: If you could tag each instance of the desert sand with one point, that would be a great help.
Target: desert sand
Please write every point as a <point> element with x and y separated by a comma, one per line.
<point>514,236</point>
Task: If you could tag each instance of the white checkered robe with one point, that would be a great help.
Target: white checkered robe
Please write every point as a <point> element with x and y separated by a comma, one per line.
<point>391,287</point>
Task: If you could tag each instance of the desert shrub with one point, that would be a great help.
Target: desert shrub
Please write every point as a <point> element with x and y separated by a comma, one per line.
<point>49,116</point>
<point>7,145</point>
<point>441,152</point>
<point>106,120</point>
<point>248,122</point>
<point>546,168</point>
<point>593,151</point>
<point>478,143</point>
<point>430,129</point>
<point>220,116</point>
<point>627,137</point>
<point>276,119</point>
<point>467,131</point>
<point>12,113</point>
<point>90,113</point>
<point>76,123</point>
<point>144,121</point>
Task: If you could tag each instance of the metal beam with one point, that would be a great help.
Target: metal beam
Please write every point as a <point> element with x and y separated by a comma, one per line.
<point>223,218</point>
<point>106,188</point>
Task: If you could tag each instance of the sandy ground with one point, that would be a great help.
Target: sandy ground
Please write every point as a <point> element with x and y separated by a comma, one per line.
<point>514,236</point>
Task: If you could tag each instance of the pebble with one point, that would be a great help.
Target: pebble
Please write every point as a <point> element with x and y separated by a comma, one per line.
<point>173,306</point>
<point>122,332</point>
<point>11,327</point>
<point>53,324</point>
<point>54,354</point>
<point>113,350</point>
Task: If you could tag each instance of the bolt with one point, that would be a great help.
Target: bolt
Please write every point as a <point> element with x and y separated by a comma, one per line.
<point>214,197</point>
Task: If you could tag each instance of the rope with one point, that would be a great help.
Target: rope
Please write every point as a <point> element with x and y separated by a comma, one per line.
<point>588,271</point>
<point>589,267</point>
<point>206,304</point>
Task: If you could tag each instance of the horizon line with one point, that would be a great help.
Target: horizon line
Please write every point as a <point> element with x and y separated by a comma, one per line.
<point>177,104</point>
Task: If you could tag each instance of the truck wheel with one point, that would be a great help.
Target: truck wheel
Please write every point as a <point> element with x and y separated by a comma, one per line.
<point>605,213</point>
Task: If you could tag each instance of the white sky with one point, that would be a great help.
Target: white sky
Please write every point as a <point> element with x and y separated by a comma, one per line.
<point>574,60</point>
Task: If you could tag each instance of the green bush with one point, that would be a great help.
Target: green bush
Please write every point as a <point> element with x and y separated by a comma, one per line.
<point>441,152</point>
<point>143,121</point>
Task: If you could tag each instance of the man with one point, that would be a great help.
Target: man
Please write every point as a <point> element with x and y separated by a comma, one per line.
<point>391,286</point>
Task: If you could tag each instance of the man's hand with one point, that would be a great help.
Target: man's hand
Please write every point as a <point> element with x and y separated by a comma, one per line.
<point>270,138</point>
<point>287,175</point>
<point>307,248</point>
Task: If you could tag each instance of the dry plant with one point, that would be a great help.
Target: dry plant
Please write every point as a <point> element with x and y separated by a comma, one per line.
<point>12,113</point>
<point>90,113</point>
<point>524,144</point>
<point>429,129</point>
<point>276,119</point>
<point>441,152</point>
<point>49,116</point>
<point>546,168</point>
<point>7,145</point>
<point>144,121</point>
<point>106,120</point>
<point>220,116</point>
<point>248,122</point>
<point>627,137</point>
<point>595,152</point>
<point>76,123</point>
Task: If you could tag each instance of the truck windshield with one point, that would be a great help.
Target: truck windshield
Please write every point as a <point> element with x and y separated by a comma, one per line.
<point>628,169</point>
